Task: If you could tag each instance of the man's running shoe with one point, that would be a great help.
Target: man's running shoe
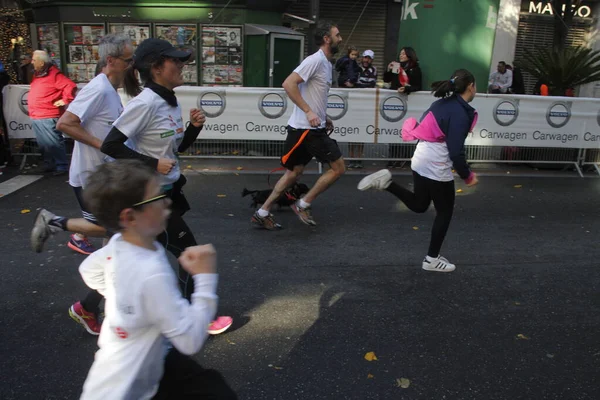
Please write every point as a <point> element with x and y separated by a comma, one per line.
<point>267,222</point>
<point>439,264</point>
<point>219,325</point>
<point>304,214</point>
<point>82,246</point>
<point>42,230</point>
<point>85,318</point>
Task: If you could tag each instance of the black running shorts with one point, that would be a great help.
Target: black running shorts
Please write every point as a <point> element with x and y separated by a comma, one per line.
<point>315,144</point>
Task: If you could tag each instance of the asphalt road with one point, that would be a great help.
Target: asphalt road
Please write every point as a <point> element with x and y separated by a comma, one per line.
<point>518,319</point>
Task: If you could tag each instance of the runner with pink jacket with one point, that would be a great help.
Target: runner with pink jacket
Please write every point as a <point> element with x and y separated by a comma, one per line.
<point>441,134</point>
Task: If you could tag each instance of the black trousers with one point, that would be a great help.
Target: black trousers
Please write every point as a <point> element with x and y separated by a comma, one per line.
<point>185,379</point>
<point>427,190</point>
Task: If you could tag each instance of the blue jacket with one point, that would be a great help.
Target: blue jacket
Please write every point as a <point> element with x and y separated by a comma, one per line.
<point>454,117</point>
<point>348,69</point>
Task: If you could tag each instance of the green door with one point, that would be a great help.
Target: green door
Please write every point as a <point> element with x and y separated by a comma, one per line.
<point>286,57</point>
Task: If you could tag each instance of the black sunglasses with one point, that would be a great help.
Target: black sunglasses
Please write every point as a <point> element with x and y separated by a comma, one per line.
<point>148,201</point>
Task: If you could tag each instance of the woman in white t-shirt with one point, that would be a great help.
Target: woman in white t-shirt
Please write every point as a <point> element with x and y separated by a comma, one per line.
<point>152,126</point>
<point>441,133</point>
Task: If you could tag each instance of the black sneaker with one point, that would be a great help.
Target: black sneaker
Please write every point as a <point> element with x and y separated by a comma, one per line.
<point>267,222</point>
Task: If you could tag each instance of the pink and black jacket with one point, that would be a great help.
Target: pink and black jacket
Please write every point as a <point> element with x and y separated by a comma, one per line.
<point>447,120</point>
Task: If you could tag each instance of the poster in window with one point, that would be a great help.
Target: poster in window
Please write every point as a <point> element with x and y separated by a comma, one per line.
<point>77,35</point>
<point>86,32</point>
<point>221,74</point>
<point>234,38</point>
<point>48,40</point>
<point>222,55</point>
<point>182,37</point>
<point>221,36</point>
<point>76,54</point>
<point>235,74</point>
<point>208,74</point>
<point>136,33</point>
<point>208,55</point>
<point>190,74</point>
<point>208,36</point>
<point>97,33</point>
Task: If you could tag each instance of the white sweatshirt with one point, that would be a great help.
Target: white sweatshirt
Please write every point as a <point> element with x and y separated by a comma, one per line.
<point>144,311</point>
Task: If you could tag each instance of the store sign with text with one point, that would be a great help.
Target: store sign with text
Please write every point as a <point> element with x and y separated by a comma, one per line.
<point>545,8</point>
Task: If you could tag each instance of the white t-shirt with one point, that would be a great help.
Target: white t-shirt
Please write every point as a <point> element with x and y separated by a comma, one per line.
<point>432,160</point>
<point>97,105</point>
<point>143,309</point>
<point>316,72</point>
<point>154,128</point>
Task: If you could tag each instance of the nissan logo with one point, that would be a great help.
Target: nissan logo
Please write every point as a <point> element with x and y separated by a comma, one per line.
<point>272,105</point>
<point>212,103</point>
<point>393,108</point>
<point>506,112</point>
<point>337,105</point>
<point>558,114</point>
<point>23,105</point>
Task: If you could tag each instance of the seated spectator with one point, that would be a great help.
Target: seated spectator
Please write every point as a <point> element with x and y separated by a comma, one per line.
<point>501,80</point>
<point>348,68</point>
<point>518,84</point>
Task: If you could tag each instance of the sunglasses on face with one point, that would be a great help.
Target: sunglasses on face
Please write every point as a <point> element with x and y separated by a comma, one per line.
<point>148,201</point>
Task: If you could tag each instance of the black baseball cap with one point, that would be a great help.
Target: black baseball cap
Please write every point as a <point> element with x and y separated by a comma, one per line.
<point>150,50</point>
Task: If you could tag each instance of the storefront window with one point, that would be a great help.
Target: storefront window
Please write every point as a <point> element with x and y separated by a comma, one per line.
<point>49,41</point>
<point>183,37</point>
<point>81,45</point>
<point>222,61</point>
<point>137,33</point>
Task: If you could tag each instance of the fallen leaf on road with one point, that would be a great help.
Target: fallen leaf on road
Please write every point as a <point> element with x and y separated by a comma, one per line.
<point>235,152</point>
<point>230,342</point>
<point>517,303</point>
<point>403,383</point>
<point>240,168</point>
<point>550,355</point>
<point>370,376</point>
<point>189,167</point>
<point>230,215</point>
<point>416,228</point>
<point>370,356</point>
<point>459,191</point>
<point>221,195</point>
<point>518,186</point>
<point>25,211</point>
<point>522,337</point>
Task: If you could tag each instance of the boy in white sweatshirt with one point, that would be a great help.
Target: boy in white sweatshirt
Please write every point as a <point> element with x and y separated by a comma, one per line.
<point>149,328</point>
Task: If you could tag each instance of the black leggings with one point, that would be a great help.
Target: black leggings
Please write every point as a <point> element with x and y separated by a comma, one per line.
<point>176,238</point>
<point>426,190</point>
<point>185,379</point>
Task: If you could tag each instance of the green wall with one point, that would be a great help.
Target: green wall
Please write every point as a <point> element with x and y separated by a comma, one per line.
<point>451,34</point>
<point>256,63</point>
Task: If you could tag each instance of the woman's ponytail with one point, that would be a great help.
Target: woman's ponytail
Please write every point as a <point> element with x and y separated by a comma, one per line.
<point>131,83</point>
<point>458,83</point>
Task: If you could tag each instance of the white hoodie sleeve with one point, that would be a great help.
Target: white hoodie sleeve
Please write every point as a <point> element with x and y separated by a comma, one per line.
<point>184,324</point>
<point>92,270</point>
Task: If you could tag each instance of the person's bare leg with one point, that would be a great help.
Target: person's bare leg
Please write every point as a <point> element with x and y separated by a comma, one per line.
<point>326,180</point>
<point>84,227</point>
<point>283,183</point>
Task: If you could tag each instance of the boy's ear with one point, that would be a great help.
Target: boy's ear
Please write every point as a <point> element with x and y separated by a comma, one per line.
<point>126,217</point>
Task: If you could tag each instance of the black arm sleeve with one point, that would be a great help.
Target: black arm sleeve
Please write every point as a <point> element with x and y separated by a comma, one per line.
<point>416,81</point>
<point>189,137</point>
<point>114,146</point>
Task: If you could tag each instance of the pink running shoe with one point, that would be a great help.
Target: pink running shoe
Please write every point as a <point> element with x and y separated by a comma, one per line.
<point>219,325</point>
<point>85,318</point>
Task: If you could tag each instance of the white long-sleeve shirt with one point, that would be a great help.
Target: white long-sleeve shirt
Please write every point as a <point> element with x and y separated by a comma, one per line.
<point>144,311</point>
<point>504,81</point>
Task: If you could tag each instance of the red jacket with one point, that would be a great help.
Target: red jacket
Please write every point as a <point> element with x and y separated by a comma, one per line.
<point>46,90</point>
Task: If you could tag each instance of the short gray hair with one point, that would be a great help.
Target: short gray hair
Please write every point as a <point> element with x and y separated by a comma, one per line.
<point>112,46</point>
<point>42,55</point>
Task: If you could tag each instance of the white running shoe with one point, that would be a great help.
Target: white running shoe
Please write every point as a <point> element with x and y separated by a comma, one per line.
<point>439,264</point>
<point>379,180</point>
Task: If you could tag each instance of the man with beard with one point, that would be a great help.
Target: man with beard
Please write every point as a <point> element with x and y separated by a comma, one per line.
<point>308,129</point>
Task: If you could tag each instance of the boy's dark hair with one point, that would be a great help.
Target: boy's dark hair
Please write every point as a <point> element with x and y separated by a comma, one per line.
<point>323,29</point>
<point>351,49</point>
<point>458,83</point>
<point>114,187</point>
